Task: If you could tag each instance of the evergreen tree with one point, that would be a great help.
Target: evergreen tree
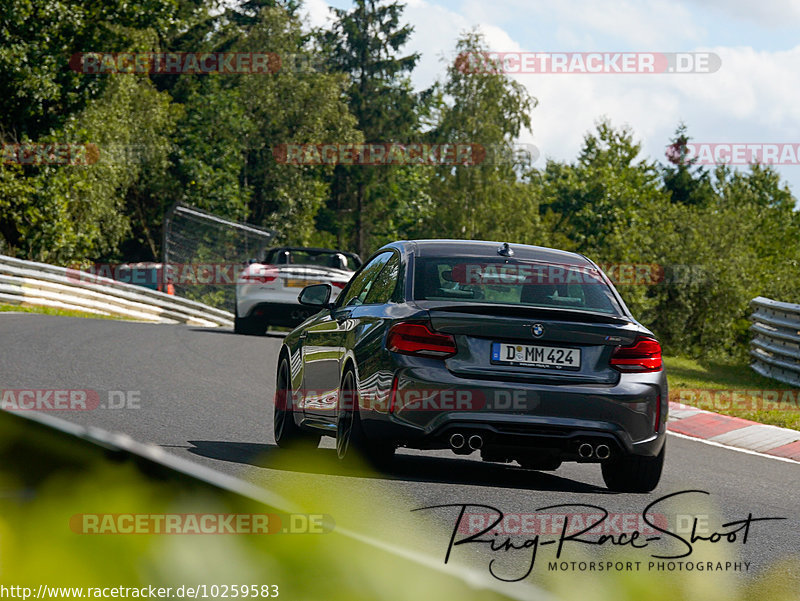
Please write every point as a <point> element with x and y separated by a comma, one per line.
<point>686,183</point>
<point>364,44</point>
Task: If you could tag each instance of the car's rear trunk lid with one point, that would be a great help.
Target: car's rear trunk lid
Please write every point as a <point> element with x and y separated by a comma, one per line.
<point>503,343</point>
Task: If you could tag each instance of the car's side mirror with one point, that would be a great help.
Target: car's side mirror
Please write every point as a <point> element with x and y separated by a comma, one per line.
<point>316,295</point>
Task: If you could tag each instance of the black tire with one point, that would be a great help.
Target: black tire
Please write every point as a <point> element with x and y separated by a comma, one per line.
<point>352,444</point>
<point>251,326</point>
<point>288,435</point>
<point>633,473</point>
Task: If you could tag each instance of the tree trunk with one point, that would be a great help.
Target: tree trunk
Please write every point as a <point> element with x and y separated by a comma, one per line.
<point>359,218</point>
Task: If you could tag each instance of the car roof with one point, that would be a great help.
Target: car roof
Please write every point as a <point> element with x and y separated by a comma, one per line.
<point>486,248</point>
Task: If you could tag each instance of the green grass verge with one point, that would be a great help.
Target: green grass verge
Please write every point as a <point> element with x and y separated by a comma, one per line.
<point>54,311</point>
<point>731,387</point>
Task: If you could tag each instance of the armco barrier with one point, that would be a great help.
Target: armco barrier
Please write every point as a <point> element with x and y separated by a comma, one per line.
<point>775,346</point>
<point>40,284</point>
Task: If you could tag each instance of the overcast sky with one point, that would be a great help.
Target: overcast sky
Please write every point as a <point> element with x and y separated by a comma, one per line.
<point>754,97</point>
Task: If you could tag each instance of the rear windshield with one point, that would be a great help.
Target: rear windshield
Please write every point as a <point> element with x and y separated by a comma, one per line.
<point>286,256</point>
<point>511,282</point>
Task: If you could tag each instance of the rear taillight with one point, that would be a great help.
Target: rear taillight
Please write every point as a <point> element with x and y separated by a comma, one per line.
<point>339,285</point>
<point>641,356</point>
<point>419,339</point>
<point>262,274</point>
<point>254,278</point>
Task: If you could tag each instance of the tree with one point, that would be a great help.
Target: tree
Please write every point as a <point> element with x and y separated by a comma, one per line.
<point>288,107</point>
<point>65,213</point>
<point>486,196</point>
<point>38,89</point>
<point>732,237</point>
<point>596,203</point>
<point>686,183</point>
<point>363,44</point>
<point>224,159</point>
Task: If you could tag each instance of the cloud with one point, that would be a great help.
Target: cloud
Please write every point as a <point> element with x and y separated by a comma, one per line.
<point>773,14</point>
<point>317,13</point>
<point>631,24</point>
<point>436,30</point>
<point>751,98</point>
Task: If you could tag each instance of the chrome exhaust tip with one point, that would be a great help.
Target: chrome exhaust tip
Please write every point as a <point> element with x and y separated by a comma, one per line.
<point>475,442</point>
<point>585,450</point>
<point>602,451</point>
<point>457,440</point>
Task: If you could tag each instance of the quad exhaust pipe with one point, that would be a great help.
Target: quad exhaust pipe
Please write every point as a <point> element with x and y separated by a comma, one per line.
<point>587,451</point>
<point>463,445</point>
<point>457,440</point>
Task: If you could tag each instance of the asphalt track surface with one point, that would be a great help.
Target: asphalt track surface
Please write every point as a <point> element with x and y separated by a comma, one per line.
<point>206,395</point>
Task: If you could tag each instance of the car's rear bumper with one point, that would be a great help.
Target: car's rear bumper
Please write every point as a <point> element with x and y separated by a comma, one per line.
<point>511,417</point>
<point>276,306</point>
<point>277,314</point>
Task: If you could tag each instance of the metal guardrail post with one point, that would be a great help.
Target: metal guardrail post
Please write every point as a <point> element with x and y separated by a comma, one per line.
<point>775,347</point>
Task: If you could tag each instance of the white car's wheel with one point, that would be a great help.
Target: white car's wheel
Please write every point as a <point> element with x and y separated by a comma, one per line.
<point>251,325</point>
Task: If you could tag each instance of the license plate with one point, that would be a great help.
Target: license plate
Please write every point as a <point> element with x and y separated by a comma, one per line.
<point>299,283</point>
<point>551,357</point>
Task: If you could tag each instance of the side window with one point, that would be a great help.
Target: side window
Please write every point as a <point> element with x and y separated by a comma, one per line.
<point>360,285</point>
<point>385,284</point>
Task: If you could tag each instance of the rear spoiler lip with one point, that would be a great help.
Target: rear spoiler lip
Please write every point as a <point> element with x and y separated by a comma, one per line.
<point>523,311</point>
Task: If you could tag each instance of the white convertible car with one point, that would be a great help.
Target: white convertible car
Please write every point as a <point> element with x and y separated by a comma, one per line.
<point>266,293</point>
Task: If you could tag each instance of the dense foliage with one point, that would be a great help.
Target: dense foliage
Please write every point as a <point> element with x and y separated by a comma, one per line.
<point>721,236</point>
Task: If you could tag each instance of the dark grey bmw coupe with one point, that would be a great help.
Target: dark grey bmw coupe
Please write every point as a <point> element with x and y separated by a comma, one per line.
<point>520,353</point>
